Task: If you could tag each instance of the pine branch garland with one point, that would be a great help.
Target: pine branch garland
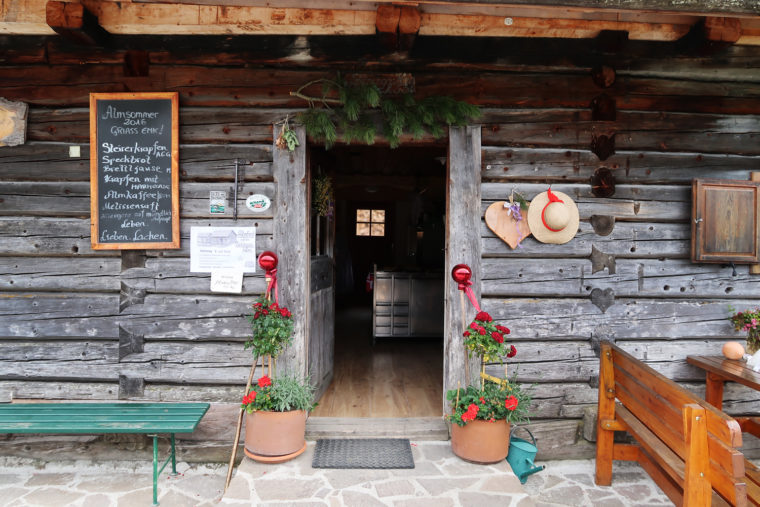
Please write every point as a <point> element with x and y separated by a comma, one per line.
<point>348,109</point>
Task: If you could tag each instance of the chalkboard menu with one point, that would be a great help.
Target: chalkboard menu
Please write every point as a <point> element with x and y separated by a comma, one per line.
<point>134,153</point>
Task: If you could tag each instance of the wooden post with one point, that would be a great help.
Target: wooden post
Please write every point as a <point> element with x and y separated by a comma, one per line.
<point>463,216</point>
<point>696,486</point>
<point>754,269</point>
<point>606,412</point>
<point>240,422</point>
<point>291,234</point>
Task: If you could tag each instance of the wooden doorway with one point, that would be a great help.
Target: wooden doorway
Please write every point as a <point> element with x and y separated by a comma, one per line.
<point>388,218</point>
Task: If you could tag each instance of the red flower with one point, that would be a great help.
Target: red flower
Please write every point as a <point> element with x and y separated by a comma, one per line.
<point>466,334</point>
<point>497,337</point>
<point>502,329</point>
<point>512,351</point>
<point>256,315</point>
<point>284,312</point>
<point>265,381</point>
<point>511,403</point>
<point>483,316</point>
<point>249,398</point>
<point>275,307</point>
<point>472,411</point>
<point>482,400</point>
<point>474,325</point>
<point>265,311</point>
<point>482,331</point>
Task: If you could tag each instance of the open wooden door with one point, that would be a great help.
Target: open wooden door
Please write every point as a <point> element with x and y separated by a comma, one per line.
<point>322,280</point>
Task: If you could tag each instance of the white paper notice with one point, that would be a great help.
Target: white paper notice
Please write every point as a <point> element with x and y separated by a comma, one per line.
<point>228,280</point>
<point>222,248</point>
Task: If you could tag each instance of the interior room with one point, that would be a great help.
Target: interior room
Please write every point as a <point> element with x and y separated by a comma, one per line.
<point>387,238</point>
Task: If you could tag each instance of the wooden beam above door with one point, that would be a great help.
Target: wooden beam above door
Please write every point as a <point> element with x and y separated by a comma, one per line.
<point>331,17</point>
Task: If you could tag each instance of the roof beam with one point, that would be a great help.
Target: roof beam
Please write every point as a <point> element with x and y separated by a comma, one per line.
<point>75,23</point>
<point>127,18</point>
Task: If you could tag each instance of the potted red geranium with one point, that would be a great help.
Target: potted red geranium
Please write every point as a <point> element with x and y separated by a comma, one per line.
<point>482,414</point>
<point>277,405</point>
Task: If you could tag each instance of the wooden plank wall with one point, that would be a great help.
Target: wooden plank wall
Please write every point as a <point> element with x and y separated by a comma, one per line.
<point>74,322</point>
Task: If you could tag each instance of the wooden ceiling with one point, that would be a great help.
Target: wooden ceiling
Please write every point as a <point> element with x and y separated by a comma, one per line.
<point>734,21</point>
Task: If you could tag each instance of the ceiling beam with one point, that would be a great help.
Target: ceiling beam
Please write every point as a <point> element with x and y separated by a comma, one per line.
<point>128,18</point>
<point>729,8</point>
<point>74,22</point>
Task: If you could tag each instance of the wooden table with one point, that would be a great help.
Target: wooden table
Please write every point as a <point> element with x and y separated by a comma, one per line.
<point>719,370</point>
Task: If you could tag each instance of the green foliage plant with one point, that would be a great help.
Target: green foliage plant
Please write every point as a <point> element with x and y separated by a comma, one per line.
<point>351,108</point>
<point>492,398</point>
<point>283,394</point>
<point>490,401</point>
<point>272,328</point>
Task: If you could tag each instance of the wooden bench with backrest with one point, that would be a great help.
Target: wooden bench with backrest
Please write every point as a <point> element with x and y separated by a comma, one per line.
<point>96,418</point>
<point>687,446</point>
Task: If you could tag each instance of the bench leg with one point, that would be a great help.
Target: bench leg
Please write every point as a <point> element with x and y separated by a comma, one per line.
<point>174,457</point>
<point>605,412</point>
<point>155,469</point>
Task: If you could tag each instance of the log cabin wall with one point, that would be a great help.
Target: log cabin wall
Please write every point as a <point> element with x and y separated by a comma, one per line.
<point>84,324</point>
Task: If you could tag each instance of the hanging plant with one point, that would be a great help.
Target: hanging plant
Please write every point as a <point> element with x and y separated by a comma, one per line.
<point>322,195</point>
<point>287,138</point>
<point>351,109</point>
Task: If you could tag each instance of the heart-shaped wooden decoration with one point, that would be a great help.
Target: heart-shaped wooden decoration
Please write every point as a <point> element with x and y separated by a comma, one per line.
<point>504,226</point>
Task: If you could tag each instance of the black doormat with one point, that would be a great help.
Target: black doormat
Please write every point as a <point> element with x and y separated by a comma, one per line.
<point>363,453</point>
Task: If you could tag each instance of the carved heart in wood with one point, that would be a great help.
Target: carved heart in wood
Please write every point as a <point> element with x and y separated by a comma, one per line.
<point>504,226</point>
<point>603,299</point>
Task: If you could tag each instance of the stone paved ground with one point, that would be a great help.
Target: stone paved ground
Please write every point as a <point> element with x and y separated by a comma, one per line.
<point>111,484</point>
<point>439,479</point>
<point>571,482</point>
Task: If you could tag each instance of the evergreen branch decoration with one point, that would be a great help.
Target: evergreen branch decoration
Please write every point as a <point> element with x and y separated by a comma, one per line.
<point>349,109</point>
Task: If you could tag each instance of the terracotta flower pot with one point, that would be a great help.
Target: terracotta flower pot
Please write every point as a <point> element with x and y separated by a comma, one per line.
<point>481,441</point>
<point>275,436</point>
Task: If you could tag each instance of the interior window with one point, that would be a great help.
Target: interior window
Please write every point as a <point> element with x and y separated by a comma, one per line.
<point>370,222</point>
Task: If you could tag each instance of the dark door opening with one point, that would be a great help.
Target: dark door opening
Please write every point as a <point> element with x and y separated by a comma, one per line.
<point>387,246</point>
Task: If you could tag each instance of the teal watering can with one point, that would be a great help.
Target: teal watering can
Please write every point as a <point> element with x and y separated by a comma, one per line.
<point>521,455</point>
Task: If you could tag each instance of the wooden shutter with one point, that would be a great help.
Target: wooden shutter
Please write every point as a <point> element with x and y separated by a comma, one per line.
<point>724,225</point>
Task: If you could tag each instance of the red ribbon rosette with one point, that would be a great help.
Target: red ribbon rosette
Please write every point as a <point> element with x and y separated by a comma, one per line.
<point>461,275</point>
<point>268,262</point>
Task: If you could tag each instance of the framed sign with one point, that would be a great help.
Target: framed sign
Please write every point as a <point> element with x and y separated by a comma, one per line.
<point>134,170</point>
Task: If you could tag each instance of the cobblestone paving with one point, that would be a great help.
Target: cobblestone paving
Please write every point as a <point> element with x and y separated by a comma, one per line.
<point>438,479</point>
<point>571,482</point>
<point>111,484</point>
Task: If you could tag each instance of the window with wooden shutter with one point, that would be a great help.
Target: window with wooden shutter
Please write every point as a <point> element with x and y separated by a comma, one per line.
<point>724,225</point>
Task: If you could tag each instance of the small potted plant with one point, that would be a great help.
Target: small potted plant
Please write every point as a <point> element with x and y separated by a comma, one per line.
<point>748,321</point>
<point>277,405</point>
<point>482,414</point>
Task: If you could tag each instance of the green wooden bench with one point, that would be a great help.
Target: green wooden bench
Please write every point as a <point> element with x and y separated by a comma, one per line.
<point>94,418</point>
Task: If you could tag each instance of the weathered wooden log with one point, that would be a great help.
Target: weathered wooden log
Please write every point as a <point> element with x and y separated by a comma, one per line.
<point>46,236</point>
<point>633,278</point>
<point>580,319</point>
<point>172,276</point>
<point>271,88</point>
<point>48,315</point>
<point>78,274</point>
<point>517,165</point>
<point>196,125</point>
<point>627,239</point>
<point>72,199</point>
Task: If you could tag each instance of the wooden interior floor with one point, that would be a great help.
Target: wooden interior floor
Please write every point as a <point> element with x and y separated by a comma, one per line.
<point>400,377</point>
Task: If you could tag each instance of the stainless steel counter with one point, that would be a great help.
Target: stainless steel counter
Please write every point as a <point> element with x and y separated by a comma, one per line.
<point>407,304</point>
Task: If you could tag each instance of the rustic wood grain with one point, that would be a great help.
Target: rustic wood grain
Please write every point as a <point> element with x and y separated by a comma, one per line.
<point>463,247</point>
<point>291,244</point>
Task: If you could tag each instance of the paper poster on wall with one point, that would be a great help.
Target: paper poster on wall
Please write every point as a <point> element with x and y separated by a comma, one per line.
<point>222,248</point>
<point>227,280</point>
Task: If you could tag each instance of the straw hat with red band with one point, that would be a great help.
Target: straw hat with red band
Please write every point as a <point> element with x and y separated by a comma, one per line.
<point>553,217</point>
